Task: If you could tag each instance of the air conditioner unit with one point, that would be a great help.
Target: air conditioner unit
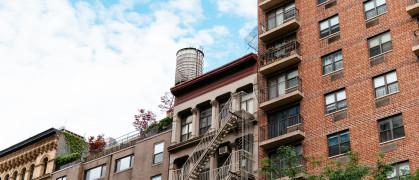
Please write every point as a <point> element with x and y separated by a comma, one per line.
<point>223,150</point>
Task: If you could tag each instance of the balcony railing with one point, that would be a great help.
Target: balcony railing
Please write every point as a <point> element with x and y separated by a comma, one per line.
<point>279,19</point>
<point>281,127</point>
<point>277,53</point>
<point>280,89</point>
<point>276,175</point>
<point>411,2</point>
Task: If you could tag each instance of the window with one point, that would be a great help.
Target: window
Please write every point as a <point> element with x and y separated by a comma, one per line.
<point>400,170</point>
<point>158,152</point>
<point>156,177</point>
<point>332,62</point>
<point>335,101</point>
<point>282,41</point>
<point>7,177</point>
<point>62,178</point>
<point>321,1</point>
<point>281,121</point>
<point>374,8</point>
<point>329,26</point>
<point>124,163</point>
<point>391,128</point>
<point>247,102</point>
<point>380,44</point>
<point>385,84</point>
<point>23,174</point>
<point>278,85</point>
<point>339,143</point>
<point>205,121</point>
<point>32,170</point>
<point>45,166</point>
<point>186,128</point>
<point>15,175</point>
<point>279,16</point>
<point>95,173</point>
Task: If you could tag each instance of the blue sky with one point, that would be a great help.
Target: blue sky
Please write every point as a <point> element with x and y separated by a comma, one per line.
<point>89,65</point>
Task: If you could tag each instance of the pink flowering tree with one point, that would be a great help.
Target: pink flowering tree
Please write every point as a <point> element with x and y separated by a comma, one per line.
<point>143,120</point>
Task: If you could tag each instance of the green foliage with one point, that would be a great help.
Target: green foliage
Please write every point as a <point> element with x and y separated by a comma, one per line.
<point>67,158</point>
<point>74,144</point>
<point>382,169</point>
<point>159,125</point>
<point>287,163</point>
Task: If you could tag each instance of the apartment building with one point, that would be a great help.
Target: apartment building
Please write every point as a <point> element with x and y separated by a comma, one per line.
<point>214,132</point>
<point>338,76</point>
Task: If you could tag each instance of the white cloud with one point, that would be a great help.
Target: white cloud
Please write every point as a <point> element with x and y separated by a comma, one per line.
<point>244,8</point>
<point>89,66</point>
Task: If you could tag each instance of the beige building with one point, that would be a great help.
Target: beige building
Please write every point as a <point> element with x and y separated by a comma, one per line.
<point>214,132</point>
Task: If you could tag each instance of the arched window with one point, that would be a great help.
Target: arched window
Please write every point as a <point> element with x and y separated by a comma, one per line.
<point>7,177</point>
<point>23,174</point>
<point>15,175</point>
<point>32,170</point>
<point>45,166</point>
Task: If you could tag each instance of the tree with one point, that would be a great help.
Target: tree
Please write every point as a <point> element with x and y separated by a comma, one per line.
<point>167,102</point>
<point>143,120</point>
<point>286,164</point>
<point>96,145</point>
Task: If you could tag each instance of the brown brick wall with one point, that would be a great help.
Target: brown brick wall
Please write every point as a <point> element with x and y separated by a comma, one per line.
<point>362,113</point>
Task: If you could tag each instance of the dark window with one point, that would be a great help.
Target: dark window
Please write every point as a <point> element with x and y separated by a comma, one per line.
<point>278,85</point>
<point>339,143</point>
<point>15,175</point>
<point>205,119</point>
<point>7,177</point>
<point>385,84</point>
<point>45,166</point>
<point>124,163</point>
<point>281,122</point>
<point>391,128</point>
<point>31,174</point>
<point>280,15</point>
<point>380,44</point>
<point>335,101</point>
<point>95,173</point>
<point>400,170</point>
<point>62,178</point>
<point>374,8</point>
<point>186,128</point>
<point>332,62</point>
<point>321,1</point>
<point>329,26</point>
<point>158,153</point>
<point>23,174</point>
<point>156,177</point>
<point>274,157</point>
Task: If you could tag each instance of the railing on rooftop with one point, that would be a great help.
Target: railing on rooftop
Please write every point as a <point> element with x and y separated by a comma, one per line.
<point>280,89</point>
<point>411,2</point>
<point>281,127</point>
<point>279,19</point>
<point>277,53</point>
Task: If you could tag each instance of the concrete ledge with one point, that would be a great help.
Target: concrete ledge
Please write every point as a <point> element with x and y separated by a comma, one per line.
<point>282,139</point>
<point>280,64</point>
<point>280,30</point>
<point>415,50</point>
<point>413,10</point>
<point>266,4</point>
<point>282,100</point>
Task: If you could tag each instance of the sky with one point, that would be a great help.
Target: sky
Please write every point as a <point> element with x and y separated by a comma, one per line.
<point>89,65</point>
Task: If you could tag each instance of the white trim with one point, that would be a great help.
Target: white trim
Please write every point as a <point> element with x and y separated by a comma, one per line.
<point>332,71</point>
<point>337,111</point>
<point>378,54</point>
<point>342,154</point>
<point>330,35</point>
<point>385,95</point>
<point>392,140</point>
<point>376,16</point>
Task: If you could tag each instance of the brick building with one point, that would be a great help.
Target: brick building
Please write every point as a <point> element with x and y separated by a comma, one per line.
<point>339,75</point>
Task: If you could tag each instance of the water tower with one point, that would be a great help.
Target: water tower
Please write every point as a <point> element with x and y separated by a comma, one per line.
<point>189,64</point>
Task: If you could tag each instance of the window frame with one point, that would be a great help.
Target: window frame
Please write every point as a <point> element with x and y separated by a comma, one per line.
<point>375,9</point>
<point>386,84</point>
<point>102,171</point>
<point>119,160</point>
<point>333,64</point>
<point>390,119</point>
<point>45,161</point>
<point>329,26</point>
<point>32,169</point>
<point>380,44</point>
<point>155,154</point>
<point>184,123</point>
<point>151,178</point>
<point>273,82</point>
<point>396,168</point>
<point>23,174</point>
<point>335,101</point>
<point>339,144</point>
<point>62,178</point>
<point>203,128</point>
<point>322,2</point>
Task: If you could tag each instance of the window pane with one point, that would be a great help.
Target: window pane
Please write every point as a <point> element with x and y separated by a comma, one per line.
<point>189,119</point>
<point>158,148</point>
<point>368,5</point>
<point>392,88</point>
<point>293,74</point>
<point>250,106</point>
<point>370,14</point>
<point>397,121</point>
<point>341,105</point>
<point>324,25</point>
<point>327,60</point>
<point>124,163</point>
<point>384,125</point>
<point>385,37</point>
<point>158,158</point>
<point>328,69</point>
<point>333,141</point>
<point>393,174</point>
<point>330,108</point>
<point>391,77</point>
<point>341,95</point>
<point>334,150</point>
<point>398,132</point>
<point>324,33</point>
<point>381,9</point>
<point>330,98</point>
<point>387,46</point>
<point>380,92</point>
<point>156,178</point>
<point>380,2</point>
<point>385,136</point>
<point>339,65</point>
<point>379,81</point>
<point>184,129</point>
<point>373,42</point>
<point>190,127</point>
<point>344,137</point>
<point>334,21</point>
<point>345,147</point>
<point>334,29</point>
<point>338,56</point>
<point>404,168</point>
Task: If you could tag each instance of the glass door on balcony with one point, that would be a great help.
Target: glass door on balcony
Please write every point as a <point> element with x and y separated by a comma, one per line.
<point>281,121</point>
<point>278,85</point>
<point>280,15</point>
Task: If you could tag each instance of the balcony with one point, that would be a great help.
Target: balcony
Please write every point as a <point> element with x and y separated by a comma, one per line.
<point>279,25</point>
<point>281,132</point>
<point>413,8</point>
<point>415,48</point>
<point>267,4</point>
<point>280,94</point>
<point>277,58</point>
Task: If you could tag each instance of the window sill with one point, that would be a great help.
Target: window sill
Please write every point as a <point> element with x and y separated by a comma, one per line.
<point>370,19</point>
<point>336,112</point>
<point>382,97</point>
<point>157,164</point>
<point>318,5</point>
<point>392,140</point>
<point>330,35</point>
<point>335,156</point>
<point>333,72</point>
<point>381,54</point>
<point>122,170</point>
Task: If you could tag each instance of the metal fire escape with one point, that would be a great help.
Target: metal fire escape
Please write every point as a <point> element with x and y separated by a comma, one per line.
<point>239,163</point>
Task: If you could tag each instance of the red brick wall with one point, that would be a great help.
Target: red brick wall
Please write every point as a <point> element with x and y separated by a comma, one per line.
<point>362,113</point>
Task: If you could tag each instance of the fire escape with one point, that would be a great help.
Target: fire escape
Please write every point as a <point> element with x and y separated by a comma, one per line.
<point>239,163</point>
